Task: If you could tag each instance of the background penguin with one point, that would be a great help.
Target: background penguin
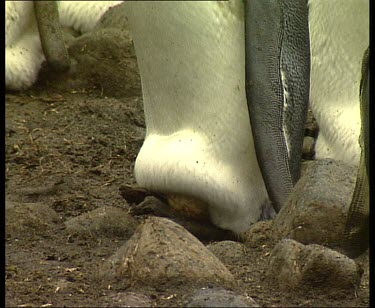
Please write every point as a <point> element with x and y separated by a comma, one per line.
<point>339,34</point>
<point>23,51</point>
<point>24,54</point>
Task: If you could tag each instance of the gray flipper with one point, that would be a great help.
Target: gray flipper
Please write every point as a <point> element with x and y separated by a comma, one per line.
<point>356,235</point>
<point>51,37</point>
<point>277,87</point>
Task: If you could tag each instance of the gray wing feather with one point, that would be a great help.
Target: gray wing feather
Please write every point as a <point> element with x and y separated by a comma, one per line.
<point>277,88</point>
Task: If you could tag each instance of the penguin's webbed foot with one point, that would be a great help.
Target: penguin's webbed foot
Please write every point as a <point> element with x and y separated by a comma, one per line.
<point>143,202</point>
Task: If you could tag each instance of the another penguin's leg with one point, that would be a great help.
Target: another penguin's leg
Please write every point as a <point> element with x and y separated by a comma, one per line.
<point>277,86</point>
<point>50,33</point>
<point>356,236</point>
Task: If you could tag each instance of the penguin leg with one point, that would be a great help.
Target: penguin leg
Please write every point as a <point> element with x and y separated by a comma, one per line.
<point>50,33</point>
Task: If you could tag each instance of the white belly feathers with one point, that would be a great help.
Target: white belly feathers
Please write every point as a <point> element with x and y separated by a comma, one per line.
<point>199,140</point>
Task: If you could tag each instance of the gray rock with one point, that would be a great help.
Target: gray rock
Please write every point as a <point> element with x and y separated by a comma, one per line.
<point>103,221</point>
<point>161,251</point>
<point>228,252</point>
<point>317,208</point>
<point>21,217</point>
<point>293,265</point>
<point>213,297</point>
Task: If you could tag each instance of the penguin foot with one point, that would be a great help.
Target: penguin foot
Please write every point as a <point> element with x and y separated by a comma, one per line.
<point>185,211</point>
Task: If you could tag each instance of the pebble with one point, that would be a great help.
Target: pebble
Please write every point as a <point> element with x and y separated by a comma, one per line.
<point>104,221</point>
<point>21,217</point>
<point>228,252</point>
<point>126,299</point>
<point>216,297</point>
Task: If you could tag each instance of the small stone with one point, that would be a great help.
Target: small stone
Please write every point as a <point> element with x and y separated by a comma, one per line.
<point>161,251</point>
<point>214,297</point>
<point>228,252</point>
<point>293,265</point>
<point>21,217</point>
<point>259,233</point>
<point>103,221</point>
<point>126,299</point>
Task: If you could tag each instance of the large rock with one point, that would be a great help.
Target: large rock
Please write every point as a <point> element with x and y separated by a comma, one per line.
<point>317,208</point>
<point>293,265</point>
<point>161,251</point>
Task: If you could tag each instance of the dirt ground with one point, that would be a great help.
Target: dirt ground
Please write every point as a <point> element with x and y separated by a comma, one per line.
<point>71,151</point>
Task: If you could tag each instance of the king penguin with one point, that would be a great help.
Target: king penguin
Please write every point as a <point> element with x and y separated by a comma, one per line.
<point>199,140</point>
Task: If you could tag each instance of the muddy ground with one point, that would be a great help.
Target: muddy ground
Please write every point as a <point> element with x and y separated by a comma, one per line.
<point>70,146</point>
